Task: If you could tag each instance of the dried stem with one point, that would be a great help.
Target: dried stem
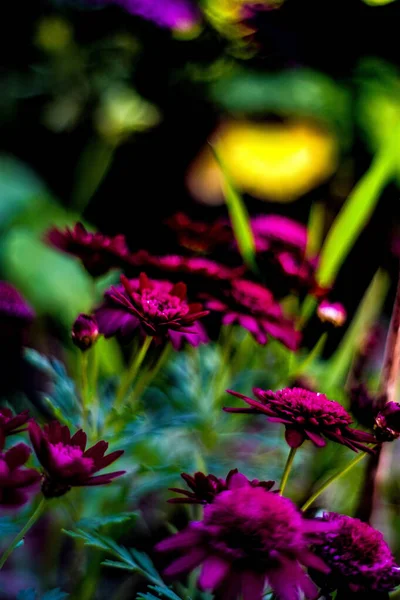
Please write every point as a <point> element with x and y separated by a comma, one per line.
<point>387,393</point>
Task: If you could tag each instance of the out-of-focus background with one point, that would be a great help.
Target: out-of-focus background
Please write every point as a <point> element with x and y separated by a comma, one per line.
<point>107,111</point>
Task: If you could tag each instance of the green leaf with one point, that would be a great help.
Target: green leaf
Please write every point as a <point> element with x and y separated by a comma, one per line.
<point>296,92</point>
<point>53,282</point>
<point>355,213</point>
<point>19,188</point>
<point>127,558</point>
<point>367,314</point>
<point>29,594</point>
<point>239,216</point>
<point>63,399</point>
<point>107,520</point>
<point>161,593</point>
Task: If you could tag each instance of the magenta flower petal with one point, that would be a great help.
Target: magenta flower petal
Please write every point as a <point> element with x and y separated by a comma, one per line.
<point>252,536</point>
<point>64,460</point>
<point>307,414</point>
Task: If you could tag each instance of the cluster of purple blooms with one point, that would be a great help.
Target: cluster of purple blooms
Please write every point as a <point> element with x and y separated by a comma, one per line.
<point>249,535</point>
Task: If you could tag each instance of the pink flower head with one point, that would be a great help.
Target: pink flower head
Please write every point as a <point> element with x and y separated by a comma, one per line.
<point>281,247</point>
<point>16,483</point>
<point>13,307</point>
<point>97,252</point>
<point>204,488</point>
<point>332,312</point>
<point>253,307</point>
<point>85,331</point>
<point>360,560</point>
<point>197,271</point>
<point>199,236</point>
<point>65,461</point>
<point>249,537</point>
<point>155,308</point>
<point>10,423</point>
<point>307,416</point>
<point>274,231</point>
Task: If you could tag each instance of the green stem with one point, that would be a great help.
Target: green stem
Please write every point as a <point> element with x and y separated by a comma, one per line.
<point>332,479</point>
<point>132,372</point>
<point>145,380</point>
<point>84,385</point>
<point>31,521</point>
<point>288,467</point>
<point>94,397</point>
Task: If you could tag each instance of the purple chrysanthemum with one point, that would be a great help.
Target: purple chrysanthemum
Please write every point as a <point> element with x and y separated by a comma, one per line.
<point>249,537</point>
<point>204,488</point>
<point>65,460</point>
<point>155,308</point>
<point>97,252</point>
<point>85,331</point>
<point>16,482</point>
<point>307,416</point>
<point>360,560</point>
<point>253,307</point>
<point>10,423</point>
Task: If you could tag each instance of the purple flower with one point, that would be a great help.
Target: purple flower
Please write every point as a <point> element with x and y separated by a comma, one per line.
<point>360,560</point>
<point>204,488</point>
<point>16,483</point>
<point>199,236</point>
<point>248,537</point>
<point>307,416</point>
<point>65,461</point>
<point>97,252</point>
<point>387,422</point>
<point>10,423</point>
<point>85,331</point>
<point>281,248</point>
<point>171,14</point>
<point>253,307</point>
<point>13,306</point>
<point>332,312</point>
<point>155,308</point>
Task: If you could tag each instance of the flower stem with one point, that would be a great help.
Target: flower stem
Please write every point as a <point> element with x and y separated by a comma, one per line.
<point>132,372</point>
<point>31,521</point>
<point>145,379</point>
<point>334,478</point>
<point>288,467</point>
<point>84,385</point>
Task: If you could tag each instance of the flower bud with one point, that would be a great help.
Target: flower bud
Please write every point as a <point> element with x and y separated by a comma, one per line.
<point>332,312</point>
<point>85,332</point>
<point>387,422</point>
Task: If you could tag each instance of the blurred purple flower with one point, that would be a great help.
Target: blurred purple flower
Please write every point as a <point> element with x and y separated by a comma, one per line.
<point>85,331</point>
<point>10,423</point>
<point>97,252</point>
<point>253,307</point>
<point>387,422</point>
<point>306,416</point>
<point>65,461</point>
<point>199,236</point>
<point>16,483</point>
<point>172,14</point>
<point>155,308</point>
<point>360,560</point>
<point>204,488</point>
<point>249,537</point>
<point>13,307</point>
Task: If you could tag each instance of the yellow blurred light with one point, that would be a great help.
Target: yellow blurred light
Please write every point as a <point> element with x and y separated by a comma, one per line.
<point>227,15</point>
<point>53,34</point>
<point>271,161</point>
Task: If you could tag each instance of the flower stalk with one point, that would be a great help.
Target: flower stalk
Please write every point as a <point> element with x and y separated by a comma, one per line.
<point>20,536</point>
<point>131,373</point>
<point>287,469</point>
